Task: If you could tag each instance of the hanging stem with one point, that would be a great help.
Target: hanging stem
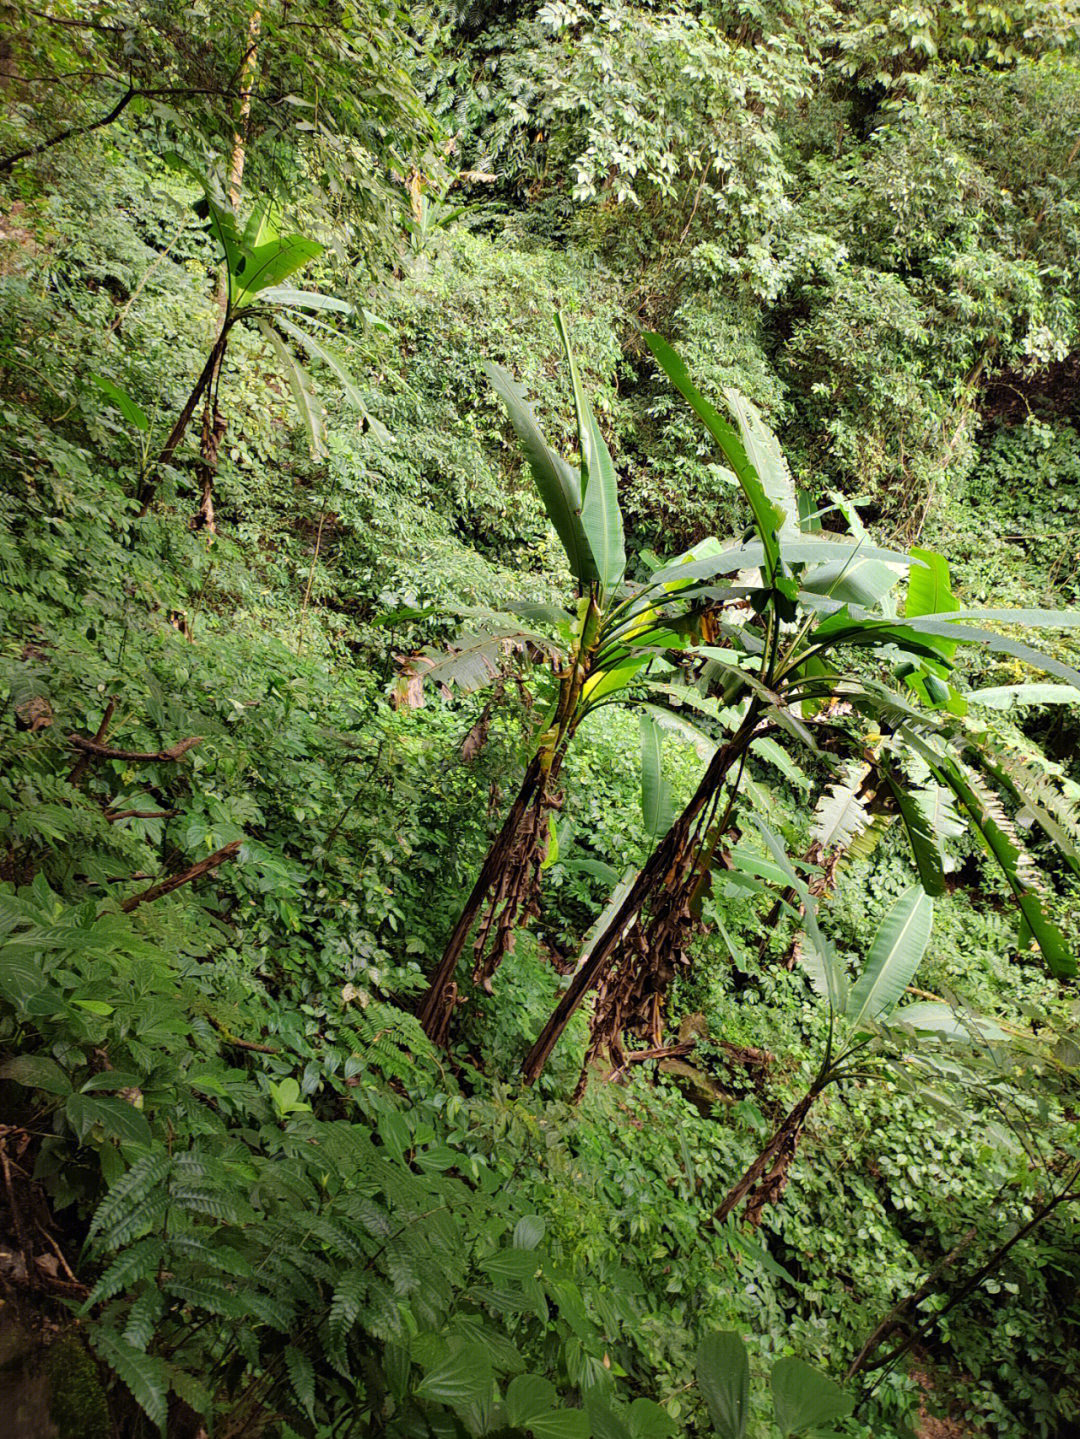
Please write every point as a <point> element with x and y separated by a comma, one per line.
<point>651,877</point>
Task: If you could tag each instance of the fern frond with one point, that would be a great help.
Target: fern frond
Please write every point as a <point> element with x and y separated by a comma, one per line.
<point>143,1318</point>
<point>840,814</point>
<point>349,1295</point>
<point>125,1196</point>
<point>143,1374</point>
<point>301,1378</point>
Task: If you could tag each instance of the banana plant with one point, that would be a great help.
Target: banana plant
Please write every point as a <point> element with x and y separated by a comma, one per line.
<point>258,261</point>
<point>816,654</point>
<point>855,1010</point>
<point>611,648</point>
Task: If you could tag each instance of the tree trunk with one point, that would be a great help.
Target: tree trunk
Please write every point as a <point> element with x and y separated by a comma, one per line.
<point>652,877</point>
<point>781,1149</point>
<point>435,1009</point>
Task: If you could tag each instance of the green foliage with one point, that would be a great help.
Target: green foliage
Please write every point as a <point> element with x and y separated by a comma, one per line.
<point>289,1212</point>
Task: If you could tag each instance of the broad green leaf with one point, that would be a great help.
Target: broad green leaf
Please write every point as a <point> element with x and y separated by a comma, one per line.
<point>601,516</point>
<point>924,842</point>
<point>267,265</point>
<point>261,224</point>
<point>752,556</point>
<point>1003,697</point>
<point>858,579</point>
<point>895,954</point>
<point>723,1376</point>
<point>117,1119</point>
<point>37,1071</point>
<point>527,1397</point>
<point>804,1399</point>
<point>465,1377</point>
<point>941,1018</point>
<point>649,1420</point>
<point>558,483</point>
<point>964,634</point>
<point>299,381</point>
<point>768,517</point>
<point>303,299</point>
<point>764,453</point>
<point>611,678</point>
<point>929,589</point>
<point>123,402</point>
<point>561,1424</point>
<point>529,1231</point>
<point>656,805</point>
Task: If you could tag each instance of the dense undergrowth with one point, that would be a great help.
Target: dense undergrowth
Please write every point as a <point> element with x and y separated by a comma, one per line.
<point>238,1173</point>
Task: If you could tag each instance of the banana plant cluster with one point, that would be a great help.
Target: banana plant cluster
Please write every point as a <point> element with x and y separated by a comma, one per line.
<point>817,655</point>
<point>610,649</point>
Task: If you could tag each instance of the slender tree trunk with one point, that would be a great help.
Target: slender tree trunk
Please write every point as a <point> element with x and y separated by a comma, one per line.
<point>895,1316</point>
<point>148,487</point>
<point>433,1011</point>
<point>969,1285</point>
<point>781,1147</point>
<point>652,876</point>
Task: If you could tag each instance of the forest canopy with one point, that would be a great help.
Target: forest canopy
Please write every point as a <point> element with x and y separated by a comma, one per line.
<point>539,682</point>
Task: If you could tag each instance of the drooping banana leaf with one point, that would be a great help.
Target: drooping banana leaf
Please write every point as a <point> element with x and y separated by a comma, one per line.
<point>303,392</point>
<point>656,806</point>
<point>1001,840</point>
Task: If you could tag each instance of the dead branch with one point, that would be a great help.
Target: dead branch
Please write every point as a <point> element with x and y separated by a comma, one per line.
<point>103,728</point>
<point>176,880</point>
<point>95,747</point>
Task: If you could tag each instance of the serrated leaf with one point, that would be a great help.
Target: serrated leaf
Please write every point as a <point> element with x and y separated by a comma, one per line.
<point>302,1378</point>
<point>143,1374</point>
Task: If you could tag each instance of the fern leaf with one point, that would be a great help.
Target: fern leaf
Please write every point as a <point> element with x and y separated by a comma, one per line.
<point>190,1390</point>
<point>144,1374</point>
<point>302,1378</point>
<point>840,814</point>
<point>348,1297</point>
<point>141,1220</point>
<point>136,1263</point>
<point>143,1317</point>
<point>141,1179</point>
<point>208,1295</point>
<point>271,1310</point>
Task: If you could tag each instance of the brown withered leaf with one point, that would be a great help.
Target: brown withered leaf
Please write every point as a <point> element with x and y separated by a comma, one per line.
<point>34,714</point>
